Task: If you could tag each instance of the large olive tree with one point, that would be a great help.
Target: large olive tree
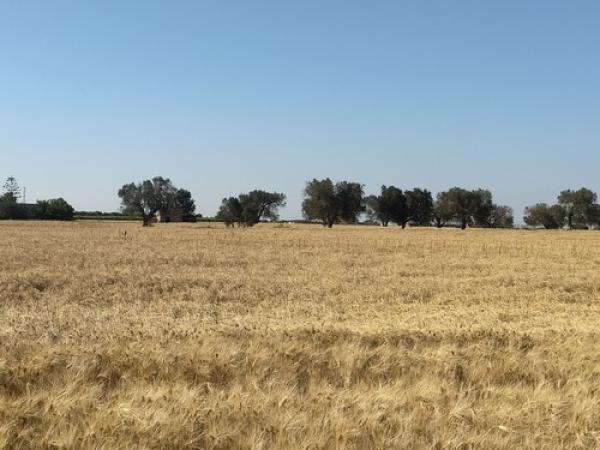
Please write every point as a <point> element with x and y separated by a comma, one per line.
<point>158,195</point>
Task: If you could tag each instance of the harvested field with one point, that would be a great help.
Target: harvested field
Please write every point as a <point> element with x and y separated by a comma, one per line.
<point>295,336</point>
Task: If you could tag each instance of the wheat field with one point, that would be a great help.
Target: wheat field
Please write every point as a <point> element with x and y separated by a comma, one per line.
<point>297,337</point>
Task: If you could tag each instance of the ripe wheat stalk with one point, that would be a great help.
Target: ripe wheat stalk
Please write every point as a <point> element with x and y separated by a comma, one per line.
<point>184,336</point>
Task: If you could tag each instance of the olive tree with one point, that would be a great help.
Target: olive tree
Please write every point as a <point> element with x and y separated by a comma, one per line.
<point>331,203</point>
<point>147,198</point>
<point>541,214</point>
<point>250,208</point>
<point>389,206</point>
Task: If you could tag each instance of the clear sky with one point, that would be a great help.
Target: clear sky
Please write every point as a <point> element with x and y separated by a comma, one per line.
<point>223,97</point>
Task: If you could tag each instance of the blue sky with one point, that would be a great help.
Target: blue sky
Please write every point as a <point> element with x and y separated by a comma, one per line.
<point>223,97</point>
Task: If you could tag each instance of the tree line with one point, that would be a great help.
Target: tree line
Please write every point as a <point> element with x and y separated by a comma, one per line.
<point>10,208</point>
<point>345,202</point>
<point>329,203</point>
<point>324,201</point>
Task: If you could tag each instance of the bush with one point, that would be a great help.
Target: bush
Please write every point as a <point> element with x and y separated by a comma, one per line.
<point>54,209</point>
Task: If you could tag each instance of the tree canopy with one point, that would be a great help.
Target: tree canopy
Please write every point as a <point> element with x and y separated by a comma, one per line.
<point>12,188</point>
<point>158,195</point>
<point>502,216</point>
<point>9,208</point>
<point>580,208</point>
<point>54,209</point>
<point>389,206</point>
<point>468,208</point>
<point>541,214</point>
<point>419,204</point>
<point>574,209</point>
<point>184,206</point>
<point>230,211</point>
<point>330,203</point>
<point>456,204</point>
<point>250,208</point>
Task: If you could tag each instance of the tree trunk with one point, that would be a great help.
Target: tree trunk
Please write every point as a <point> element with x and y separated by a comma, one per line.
<point>147,218</point>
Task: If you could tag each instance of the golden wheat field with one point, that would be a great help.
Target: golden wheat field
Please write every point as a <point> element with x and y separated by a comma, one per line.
<point>297,337</point>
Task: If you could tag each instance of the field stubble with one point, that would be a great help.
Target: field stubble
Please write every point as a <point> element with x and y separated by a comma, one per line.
<point>198,337</point>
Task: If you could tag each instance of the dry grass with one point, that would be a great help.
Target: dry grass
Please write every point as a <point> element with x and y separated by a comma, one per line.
<point>278,337</point>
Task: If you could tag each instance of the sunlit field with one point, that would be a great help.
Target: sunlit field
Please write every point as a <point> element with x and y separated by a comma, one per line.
<point>295,336</point>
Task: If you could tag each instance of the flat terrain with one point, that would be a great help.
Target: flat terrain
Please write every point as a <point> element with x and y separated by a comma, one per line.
<point>295,336</point>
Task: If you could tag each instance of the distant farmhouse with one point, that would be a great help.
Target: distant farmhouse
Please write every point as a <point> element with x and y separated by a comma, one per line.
<point>173,215</point>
